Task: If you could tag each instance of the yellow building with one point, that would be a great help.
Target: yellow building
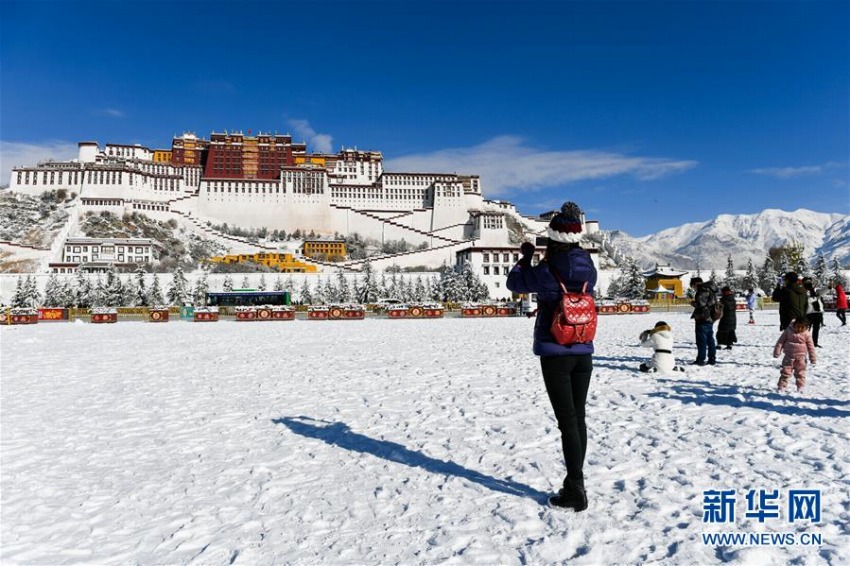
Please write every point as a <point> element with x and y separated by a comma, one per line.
<point>324,248</point>
<point>284,263</point>
<point>162,156</point>
<point>664,279</point>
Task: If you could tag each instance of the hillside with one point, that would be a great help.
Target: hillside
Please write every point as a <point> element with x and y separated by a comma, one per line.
<point>33,221</point>
<point>176,245</point>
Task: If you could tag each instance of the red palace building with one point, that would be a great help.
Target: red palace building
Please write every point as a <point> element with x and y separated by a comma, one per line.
<point>237,156</point>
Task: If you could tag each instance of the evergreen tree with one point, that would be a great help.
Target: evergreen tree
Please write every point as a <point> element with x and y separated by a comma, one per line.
<point>343,289</point>
<point>729,277</point>
<point>713,276</point>
<point>129,287</point>
<point>767,275</point>
<point>369,288</point>
<point>401,289</point>
<point>155,297</point>
<point>331,293</point>
<point>261,286</point>
<point>83,291</point>
<point>319,297</point>
<point>635,282</point>
<point>470,284</point>
<point>304,295</point>
<point>393,291</point>
<point>630,283</point>
<point>33,297</point>
<point>114,289</point>
<point>141,291</point>
<point>178,291</point>
<point>820,272</point>
<point>227,286</point>
<point>53,291</point>
<point>245,283</point>
<point>699,272</point>
<point>383,287</point>
<point>449,288</point>
<point>201,288</point>
<point>434,291</point>
<point>419,292</point>
<point>19,298</point>
<point>98,294</point>
<point>837,274</point>
<point>751,280</point>
<point>68,293</point>
<point>278,284</point>
<point>289,285</point>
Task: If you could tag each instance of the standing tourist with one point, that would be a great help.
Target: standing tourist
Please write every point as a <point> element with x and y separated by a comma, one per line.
<point>796,343</point>
<point>566,368</point>
<point>791,298</point>
<point>751,304</point>
<point>728,321</point>
<point>840,304</point>
<point>705,297</point>
<point>814,309</point>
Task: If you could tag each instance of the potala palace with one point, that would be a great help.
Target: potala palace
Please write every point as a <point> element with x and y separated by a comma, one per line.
<point>267,180</point>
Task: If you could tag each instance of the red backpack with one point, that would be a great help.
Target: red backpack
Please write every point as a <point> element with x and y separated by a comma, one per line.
<point>575,318</point>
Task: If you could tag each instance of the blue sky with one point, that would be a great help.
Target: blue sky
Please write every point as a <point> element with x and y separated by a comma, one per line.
<point>648,114</point>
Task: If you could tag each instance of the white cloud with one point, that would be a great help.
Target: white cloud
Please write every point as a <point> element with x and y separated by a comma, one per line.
<point>111,112</point>
<point>322,143</point>
<point>789,172</point>
<point>15,154</point>
<point>506,163</point>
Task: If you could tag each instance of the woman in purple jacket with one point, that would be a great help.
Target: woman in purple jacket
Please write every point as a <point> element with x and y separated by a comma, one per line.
<point>566,369</point>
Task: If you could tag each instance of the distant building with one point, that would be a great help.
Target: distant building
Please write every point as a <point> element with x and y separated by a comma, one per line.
<point>103,254</point>
<point>269,181</point>
<point>493,263</point>
<point>324,249</point>
<point>283,262</point>
<point>664,277</point>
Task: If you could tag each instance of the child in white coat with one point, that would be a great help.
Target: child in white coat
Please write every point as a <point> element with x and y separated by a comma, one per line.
<point>660,339</point>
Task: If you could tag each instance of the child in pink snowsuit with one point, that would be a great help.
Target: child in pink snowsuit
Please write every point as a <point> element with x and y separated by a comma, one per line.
<point>796,341</point>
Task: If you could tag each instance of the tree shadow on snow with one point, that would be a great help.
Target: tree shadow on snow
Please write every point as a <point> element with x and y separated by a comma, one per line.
<point>707,393</point>
<point>339,434</point>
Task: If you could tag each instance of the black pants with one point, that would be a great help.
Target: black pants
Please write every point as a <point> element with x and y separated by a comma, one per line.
<point>841,316</point>
<point>567,380</point>
<point>816,320</point>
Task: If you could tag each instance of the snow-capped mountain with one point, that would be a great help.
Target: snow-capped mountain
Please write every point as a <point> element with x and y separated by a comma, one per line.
<point>743,236</point>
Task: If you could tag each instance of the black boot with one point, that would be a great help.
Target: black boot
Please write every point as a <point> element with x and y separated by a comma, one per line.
<point>571,496</point>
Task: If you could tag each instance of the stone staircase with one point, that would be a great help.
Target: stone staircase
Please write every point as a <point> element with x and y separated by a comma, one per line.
<point>398,225</point>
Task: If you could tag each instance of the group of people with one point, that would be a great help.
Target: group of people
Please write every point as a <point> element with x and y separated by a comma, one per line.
<point>801,311</point>
<point>567,368</point>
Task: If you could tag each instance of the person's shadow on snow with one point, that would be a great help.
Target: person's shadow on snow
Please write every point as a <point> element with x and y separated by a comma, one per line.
<point>707,393</point>
<point>339,434</point>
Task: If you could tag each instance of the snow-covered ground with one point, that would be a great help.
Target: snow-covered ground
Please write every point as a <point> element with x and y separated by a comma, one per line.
<point>410,441</point>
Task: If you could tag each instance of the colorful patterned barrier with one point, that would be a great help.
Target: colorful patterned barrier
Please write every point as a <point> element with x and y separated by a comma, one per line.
<point>205,314</point>
<point>48,314</point>
<point>473,310</point>
<point>104,316</point>
<point>19,316</point>
<point>283,313</point>
<point>426,310</point>
<point>317,313</point>
<point>246,313</point>
<point>158,315</point>
<point>623,307</point>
